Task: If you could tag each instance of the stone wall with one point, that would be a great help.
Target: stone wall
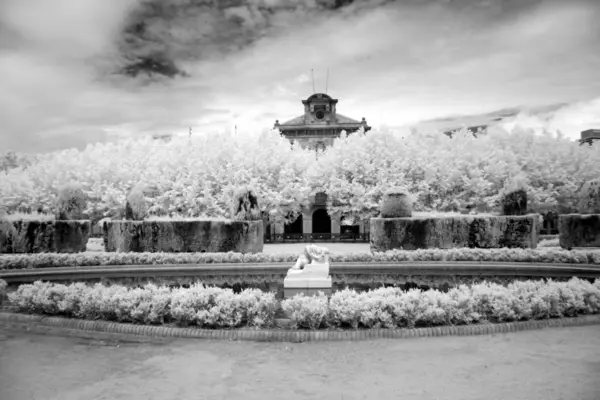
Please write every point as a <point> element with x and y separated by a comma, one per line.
<point>456,231</point>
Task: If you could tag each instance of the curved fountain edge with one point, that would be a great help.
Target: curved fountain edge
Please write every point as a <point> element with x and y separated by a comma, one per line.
<point>38,322</point>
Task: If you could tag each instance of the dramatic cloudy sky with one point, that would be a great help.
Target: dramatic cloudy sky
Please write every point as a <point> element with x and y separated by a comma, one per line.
<point>80,71</point>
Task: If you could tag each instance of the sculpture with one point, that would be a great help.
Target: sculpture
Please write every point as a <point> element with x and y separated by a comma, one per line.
<point>311,269</point>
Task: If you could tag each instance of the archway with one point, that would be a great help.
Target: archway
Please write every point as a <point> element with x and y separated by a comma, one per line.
<point>294,227</point>
<point>321,221</point>
<point>346,229</point>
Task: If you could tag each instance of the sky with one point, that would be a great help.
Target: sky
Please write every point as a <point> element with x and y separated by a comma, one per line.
<point>85,71</point>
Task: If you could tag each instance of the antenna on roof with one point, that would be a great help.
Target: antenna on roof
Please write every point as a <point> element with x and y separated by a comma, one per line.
<point>313,78</point>
<point>327,81</point>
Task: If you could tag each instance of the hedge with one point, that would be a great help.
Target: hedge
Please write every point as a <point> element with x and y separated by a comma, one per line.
<point>544,255</point>
<point>206,307</point>
<point>466,304</point>
<point>211,307</point>
<point>3,286</point>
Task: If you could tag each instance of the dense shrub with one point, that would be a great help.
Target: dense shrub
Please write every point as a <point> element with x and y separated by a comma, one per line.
<point>589,197</point>
<point>199,305</point>
<point>306,311</point>
<point>395,308</point>
<point>390,308</point>
<point>245,205</point>
<point>396,203</point>
<point>197,176</point>
<point>514,203</point>
<point>541,255</point>
<point>3,286</point>
<point>136,207</point>
<point>71,202</point>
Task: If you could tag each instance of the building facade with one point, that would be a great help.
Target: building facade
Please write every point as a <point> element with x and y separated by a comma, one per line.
<point>317,129</point>
<point>589,136</point>
<point>320,124</point>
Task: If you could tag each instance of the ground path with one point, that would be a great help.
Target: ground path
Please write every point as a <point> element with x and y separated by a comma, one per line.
<point>549,364</point>
<point>359,247</point>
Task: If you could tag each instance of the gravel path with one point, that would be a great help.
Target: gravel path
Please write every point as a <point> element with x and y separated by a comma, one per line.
<point>95,244</point>
<point>558,363</point>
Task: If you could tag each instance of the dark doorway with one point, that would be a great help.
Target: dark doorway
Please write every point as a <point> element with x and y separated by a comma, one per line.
<point>348,229</point>
<point>321,222</point>
<point>294,227</point>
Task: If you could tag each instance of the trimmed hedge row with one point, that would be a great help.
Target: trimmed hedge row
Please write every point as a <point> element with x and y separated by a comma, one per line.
<point>465,304</point>
<point>3,286</point>
<point>210,307</point>
<point>206,307</point>
<point>544,255</point>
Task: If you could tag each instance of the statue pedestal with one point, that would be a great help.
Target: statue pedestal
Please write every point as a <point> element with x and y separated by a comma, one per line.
<point>310,275</point>
<point>312,279</point>
<point>291,292</point>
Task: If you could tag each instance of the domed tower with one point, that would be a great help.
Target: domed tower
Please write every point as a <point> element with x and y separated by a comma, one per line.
<point>320,124</point>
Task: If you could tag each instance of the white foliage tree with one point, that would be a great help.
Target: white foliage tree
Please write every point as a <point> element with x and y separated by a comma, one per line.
<point>196,176</point>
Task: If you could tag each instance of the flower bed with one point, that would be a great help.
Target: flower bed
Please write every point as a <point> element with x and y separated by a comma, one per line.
<point>210,307</point>
<point>546,255</point>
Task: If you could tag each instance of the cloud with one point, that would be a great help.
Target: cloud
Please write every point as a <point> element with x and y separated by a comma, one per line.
<point>95,70</point>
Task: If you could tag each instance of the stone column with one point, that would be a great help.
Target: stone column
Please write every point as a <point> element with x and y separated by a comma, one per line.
<point>306,222</point>
<point>278,227</point>
<point>335,224</point>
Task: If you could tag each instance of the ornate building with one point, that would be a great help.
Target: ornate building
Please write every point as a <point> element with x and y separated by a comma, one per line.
<point>589,136</point>
<point>317,128</point>
<point>320,124</point>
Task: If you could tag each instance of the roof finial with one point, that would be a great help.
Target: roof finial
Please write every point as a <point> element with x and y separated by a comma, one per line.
<point>327,81</point>
<point>313,79</point>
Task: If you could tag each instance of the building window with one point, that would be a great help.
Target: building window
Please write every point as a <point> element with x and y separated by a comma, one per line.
<point>321,199</point>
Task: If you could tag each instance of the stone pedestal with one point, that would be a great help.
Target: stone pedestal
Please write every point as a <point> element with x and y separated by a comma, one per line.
<point>291,292</point>
<point>313,276</point>
<point>310,274</point>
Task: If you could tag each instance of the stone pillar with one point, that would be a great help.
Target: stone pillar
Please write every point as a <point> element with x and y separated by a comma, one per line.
<point>278,227</point>
<point>306,222</point>
<point>335,224</point>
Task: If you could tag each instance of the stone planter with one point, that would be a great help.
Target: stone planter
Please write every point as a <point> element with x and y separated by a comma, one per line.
<point>44,236</point>
<point>454,232</point>
<point>184,236</point>
<point>579,230</point>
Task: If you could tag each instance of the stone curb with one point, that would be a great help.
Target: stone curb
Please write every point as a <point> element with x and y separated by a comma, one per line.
<point>338,271</point>
<point>288,335</point>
